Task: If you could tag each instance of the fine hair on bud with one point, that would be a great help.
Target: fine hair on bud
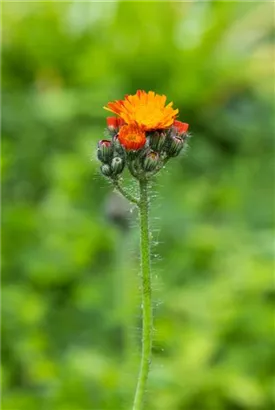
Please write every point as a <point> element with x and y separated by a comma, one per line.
<point>174,146</point>
<point>157,140</point>
<point>117,146</point>
<point>105,151</point>
<point>117,165</point>
<point>150,161</point>
<point>106,170</point>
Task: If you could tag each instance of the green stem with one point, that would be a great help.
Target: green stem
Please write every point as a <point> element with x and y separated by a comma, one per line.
<point>126,194</point>
<point>147,319</point>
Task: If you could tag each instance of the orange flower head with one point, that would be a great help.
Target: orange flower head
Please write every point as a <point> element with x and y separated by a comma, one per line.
<point>147,110</point>
<point>131,137</point>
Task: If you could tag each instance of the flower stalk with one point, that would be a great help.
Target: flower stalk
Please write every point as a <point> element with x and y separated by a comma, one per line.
<point>144,136</point>
<point>146,290</point>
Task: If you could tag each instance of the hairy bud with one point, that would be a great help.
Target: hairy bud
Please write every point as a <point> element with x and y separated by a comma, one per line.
<point>117,146</point>
<point>106,170</point>
<point>117,165</point>
<point>150,161</point>
<point>175,146</point>
<point>157,140</point>
<point>104,151</point>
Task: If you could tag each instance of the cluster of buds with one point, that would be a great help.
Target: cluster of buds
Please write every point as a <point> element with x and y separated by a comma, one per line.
<point>112,162</point>
<point>144,153</point>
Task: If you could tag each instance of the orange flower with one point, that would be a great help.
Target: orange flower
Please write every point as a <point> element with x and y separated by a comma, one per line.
<point>181,127</point>
<point>147,110</point>
<point>131,137</point>
<point>114,122</point>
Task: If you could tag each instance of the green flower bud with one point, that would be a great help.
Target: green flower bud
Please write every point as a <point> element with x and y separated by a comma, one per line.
<point>157,140</point>
<point>106,170</point>
<point>117,165</point>
<point>104,151</point>
<point>117,146</point>
<point>175,146</point>
<point>150,161</point>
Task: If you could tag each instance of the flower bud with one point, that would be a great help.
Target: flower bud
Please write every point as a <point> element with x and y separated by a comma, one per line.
<point>106,170</point>
<point>150,161</point>
<point>114,123</point>
<point>104,151</point>
<point>175,146</point>
<point>117,165</point>
<point>157,140</point>
<point>117,146</point>
<point>181,127</point>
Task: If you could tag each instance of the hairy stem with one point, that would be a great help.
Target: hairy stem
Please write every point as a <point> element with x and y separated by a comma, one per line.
<point>126,194</point>
<point>147,317</point>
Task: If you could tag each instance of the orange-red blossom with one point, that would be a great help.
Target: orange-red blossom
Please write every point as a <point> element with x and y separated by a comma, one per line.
<point>142,112</point>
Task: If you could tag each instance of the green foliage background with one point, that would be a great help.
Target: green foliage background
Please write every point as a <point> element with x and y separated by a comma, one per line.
<point>71,311</point>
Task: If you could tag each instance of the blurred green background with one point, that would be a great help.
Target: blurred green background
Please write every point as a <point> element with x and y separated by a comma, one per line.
<point>70,300</point>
